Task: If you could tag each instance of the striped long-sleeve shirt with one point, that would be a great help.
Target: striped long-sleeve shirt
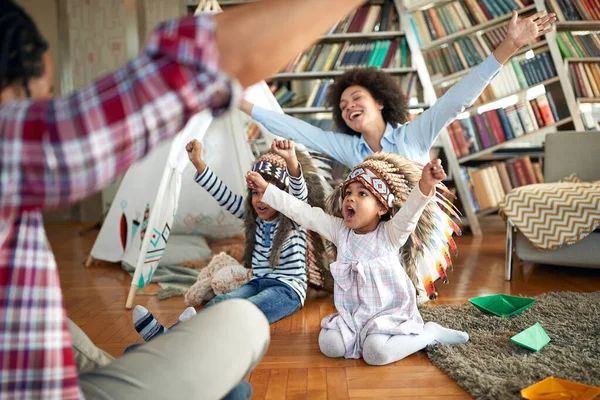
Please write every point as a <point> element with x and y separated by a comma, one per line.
<point>292,260</point>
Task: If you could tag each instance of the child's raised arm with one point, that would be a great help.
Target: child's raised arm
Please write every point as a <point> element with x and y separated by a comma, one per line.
<point>405,221</point>
<point>311,218</point>
<point>208,180</point>
<point>194,151</point>
<point>287,150</point>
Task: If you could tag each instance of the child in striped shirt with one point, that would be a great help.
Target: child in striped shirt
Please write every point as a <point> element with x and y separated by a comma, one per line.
<point>275,245</point>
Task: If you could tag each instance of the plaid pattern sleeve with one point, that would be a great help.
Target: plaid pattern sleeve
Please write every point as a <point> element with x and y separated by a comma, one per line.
<point>56,152</point>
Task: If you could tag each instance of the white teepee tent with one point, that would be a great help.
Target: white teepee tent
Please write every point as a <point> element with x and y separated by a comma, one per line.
<point>152,203</point>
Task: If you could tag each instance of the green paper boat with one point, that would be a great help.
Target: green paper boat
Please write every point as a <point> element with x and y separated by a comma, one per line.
<point>502,305</point>
<point>533,338</point>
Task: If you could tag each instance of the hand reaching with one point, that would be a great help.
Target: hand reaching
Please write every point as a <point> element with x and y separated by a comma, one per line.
<point>433,173</point>
<point>284,148</point>
<point>522,31</point>
<point>256,181</point>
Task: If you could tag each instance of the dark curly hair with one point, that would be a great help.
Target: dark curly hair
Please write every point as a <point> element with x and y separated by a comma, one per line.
<point>381,85</point>
<point>22,46</point>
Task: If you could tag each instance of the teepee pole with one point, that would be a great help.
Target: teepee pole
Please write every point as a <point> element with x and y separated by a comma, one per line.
<point>166,178</point>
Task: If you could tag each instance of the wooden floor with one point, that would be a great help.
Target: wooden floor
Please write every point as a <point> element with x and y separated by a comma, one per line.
<point>293,367</point>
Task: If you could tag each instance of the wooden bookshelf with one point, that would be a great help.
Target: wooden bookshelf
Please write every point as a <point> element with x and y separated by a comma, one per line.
<point>578,26</point>
<point>582,59</point>
<point>562,64</point>
<point>228,3</point>
<point>314,110</point>
<point>341,37</point>
<point>541,131</point>
<point>427,4</point>
<point>584,100</point>
<point>473,29</point>
<point>560,83</point>
<point>332,74</point>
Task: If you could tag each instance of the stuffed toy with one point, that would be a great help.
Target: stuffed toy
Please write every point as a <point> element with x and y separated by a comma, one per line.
<point>223,274</point>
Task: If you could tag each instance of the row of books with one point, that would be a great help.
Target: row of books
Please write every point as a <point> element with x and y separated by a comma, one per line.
<point>369,18</point>
<point>288,98</point>
<point>578,10</point>
<point>459,55</point>
<point>578,44</point>
<point>481,131</point>
<point>520,73</point>
<point>437,22</point>
<point>339,56</point>
<point>586,79</point>
<point>488,185</point>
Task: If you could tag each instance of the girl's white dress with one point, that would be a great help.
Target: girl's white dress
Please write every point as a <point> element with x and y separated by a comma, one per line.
<point>372,293</point>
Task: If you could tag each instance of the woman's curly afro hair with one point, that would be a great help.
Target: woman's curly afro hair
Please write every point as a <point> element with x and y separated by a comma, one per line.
<point>382,86</point>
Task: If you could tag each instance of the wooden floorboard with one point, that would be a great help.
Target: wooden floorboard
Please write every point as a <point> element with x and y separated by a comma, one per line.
<point>294,368</point>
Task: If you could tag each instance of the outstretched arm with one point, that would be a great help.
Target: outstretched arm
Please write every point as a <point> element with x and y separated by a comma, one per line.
<point>311,218</point>
<point>405,221</point>
<point>208,180</point>
<point>425,129</point>
<point>334,144</point>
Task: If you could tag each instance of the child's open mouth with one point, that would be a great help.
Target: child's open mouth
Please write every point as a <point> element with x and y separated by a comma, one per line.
<point>261,210</point>
<point>350,213</point>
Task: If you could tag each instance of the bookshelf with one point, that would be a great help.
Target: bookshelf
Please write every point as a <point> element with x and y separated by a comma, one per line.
<point>577,48</point>
<point>373,39</point>
<point>549,90</point>
<point>376,40</point>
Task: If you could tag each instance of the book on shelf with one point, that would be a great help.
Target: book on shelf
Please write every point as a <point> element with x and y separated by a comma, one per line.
<point>369,18</point>
<point>585,78</point>
<point>440,21</point>
<point>341,56</point>
<point>481,131</point>
<point>578,44</point>
<point>576,10</point>
<point>487,185</point>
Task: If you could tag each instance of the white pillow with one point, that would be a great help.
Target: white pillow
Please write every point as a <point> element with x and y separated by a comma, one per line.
<point>185,247</point>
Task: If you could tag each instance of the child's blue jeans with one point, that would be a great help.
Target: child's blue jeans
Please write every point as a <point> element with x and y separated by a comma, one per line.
<point>274,298</point>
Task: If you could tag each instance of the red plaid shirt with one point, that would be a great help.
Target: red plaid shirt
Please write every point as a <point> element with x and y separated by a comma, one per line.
<point>54,153</point>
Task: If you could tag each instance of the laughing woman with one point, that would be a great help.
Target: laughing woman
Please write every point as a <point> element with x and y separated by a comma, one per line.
<point>369,109</point>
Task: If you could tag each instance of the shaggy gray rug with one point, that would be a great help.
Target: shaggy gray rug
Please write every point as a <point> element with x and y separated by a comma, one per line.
<point>491,367</point>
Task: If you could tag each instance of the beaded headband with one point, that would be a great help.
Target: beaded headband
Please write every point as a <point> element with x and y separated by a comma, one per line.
<point>265,167</point>
<point>373,182</point>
